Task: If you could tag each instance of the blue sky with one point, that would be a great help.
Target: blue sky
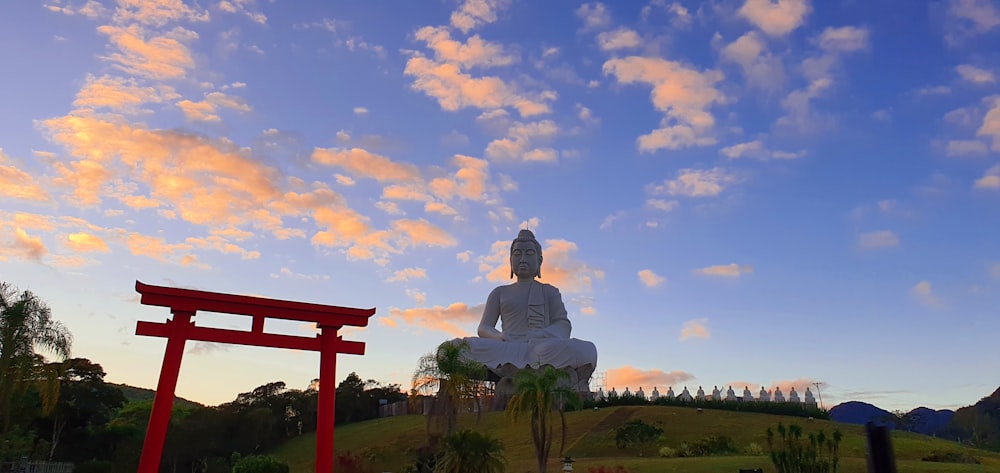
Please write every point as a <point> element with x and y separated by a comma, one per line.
<point>727,192</point>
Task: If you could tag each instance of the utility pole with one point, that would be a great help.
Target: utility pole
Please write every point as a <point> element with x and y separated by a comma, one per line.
<point>819,394</point>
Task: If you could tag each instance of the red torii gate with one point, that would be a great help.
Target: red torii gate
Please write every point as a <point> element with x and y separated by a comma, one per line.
<point>184,303</point>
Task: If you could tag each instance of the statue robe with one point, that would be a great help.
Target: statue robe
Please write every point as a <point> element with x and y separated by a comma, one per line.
<point>535,330</point>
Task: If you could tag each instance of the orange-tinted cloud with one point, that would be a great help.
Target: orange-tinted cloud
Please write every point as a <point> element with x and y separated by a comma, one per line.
<point>157,12</point>
<point>924,292</point>
<point>362,163</point>
<point>681,93</point>
<point>115,93</point>
<point>86,242</point>
<point>17,184</point>
<point>626,376</point>
<point>472,13</point>
<point>650,279</point>
<point>158,57</point>
<point>24,246</point>
<point>731,270</point>
<point>697,328</point>
<point>776,18</point>
<point>475,52</point>
<point>443,319</point>
<point>408,273</point>
<point>695,183</point>
<point>422,233</point>
<point>207,110</point>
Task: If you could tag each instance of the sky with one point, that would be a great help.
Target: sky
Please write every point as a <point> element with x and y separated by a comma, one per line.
<point>728,192</point>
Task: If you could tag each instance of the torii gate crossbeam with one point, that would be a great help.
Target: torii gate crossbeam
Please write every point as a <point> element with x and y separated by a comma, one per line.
<point>184,304</point>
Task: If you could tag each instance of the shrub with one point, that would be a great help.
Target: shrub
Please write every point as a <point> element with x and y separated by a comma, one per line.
<point>951,457</point>
<point>93,466</point>
<point>638,434</point>
<point>607,469</point>
<point>754,449</point>
<point>425,462</point>
<point>667,452</point>
<point>348,462</point>
<point>814,454</point>
<point>259,464</point>
<point>713,445</point>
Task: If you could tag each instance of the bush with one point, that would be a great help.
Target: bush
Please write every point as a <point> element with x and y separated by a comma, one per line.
<point>607,469</point>
<point>713,445</point>
<point>93,466</point>
<point>816,453</point>
<point>754,449</point>
<point>667,452</point>
<point>259,464</point>
<point>348,462</point>
<point>951,457</point>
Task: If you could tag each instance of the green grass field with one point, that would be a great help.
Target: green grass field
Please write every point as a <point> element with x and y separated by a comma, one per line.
<point>390,443</point>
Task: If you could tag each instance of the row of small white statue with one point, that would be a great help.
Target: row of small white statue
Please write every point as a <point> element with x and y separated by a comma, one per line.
<point>764,396</point>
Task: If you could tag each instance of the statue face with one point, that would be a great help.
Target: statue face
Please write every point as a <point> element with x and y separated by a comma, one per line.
<point>525,260</point>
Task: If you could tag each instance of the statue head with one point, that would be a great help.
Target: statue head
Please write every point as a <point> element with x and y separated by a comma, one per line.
<point>525,255</point>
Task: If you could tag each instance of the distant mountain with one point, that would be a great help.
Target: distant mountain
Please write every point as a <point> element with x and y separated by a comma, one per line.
<point>921,420</point>
<point>857,412</point>
<point>927,421</point>
<point>133,393</point>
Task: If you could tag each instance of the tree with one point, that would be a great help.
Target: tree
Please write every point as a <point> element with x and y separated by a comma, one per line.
<point>456,378</point>
<point>638,434</point>
<point>86,404</point>
<point>467,451</point>
<point>538,394</point>
<point>26,325</point>
<point>791,453</point>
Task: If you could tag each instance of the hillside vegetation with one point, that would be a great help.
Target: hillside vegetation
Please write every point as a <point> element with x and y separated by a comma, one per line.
<point>390,443</point>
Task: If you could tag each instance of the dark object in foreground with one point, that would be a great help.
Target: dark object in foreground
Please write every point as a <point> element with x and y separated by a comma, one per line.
<point>880,456</point>
<point>757,470</point>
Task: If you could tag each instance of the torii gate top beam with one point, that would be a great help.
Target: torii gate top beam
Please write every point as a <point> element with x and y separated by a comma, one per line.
<point>190,300</point>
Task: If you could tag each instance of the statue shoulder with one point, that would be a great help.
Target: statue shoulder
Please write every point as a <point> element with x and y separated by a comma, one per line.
<point>549,289</point>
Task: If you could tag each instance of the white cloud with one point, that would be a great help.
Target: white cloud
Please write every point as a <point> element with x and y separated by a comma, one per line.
<point>760,68</point>
<point>621,38</point>
<point>473,13</point>
<point>662,205</point>
<point>991,180</point>
<point>991,122</point>
<point>843,39</point>
<point>755,149</point>
<point>594,15</point>
<point>975,75</point>
<point>956,148</point>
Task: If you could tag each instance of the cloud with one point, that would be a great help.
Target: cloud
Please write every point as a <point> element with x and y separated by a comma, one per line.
<point>621,38</point>
<point>23,246</point>
<point>521,142</point>
<point>632,376</point>
<point>695,183</point>
<point>982,15</point>
<point>697,328</point>
<point>244,7</point>
<point>422,233</point>
<point>878,239</point>
<point>732,270</point>
<point>443,319</point>
<point>662,205</point>
<point>681,93</point>
<point>991,122</point>
<point>362,163</point>
<point>207,110</point>
<point>650,279</point>
<point>475,52</point>
<point>473,13</point>
<point>956,148</point>
<point>760,68</point>
<point>159,57</point>
<point>91,9</point>
<point>595,16</point>
<point>116,93</point>
<point>288,273</point>
<point>756,149</point>
<point>407,273</point>
<point>455,90</point>
<point>994,270</point>
<point>843,39</point>
<point>86,242</point>
<point>360,111</point>
<point>923,292</point>
<point>157,13</point>
<point>776,18</point>
<point>991,180</point>
<point>975,75</point>
<point>18,184</point>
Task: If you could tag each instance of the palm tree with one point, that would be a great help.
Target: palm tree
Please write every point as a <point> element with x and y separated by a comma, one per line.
<point>467,451</point>
<point>456,378</point>
<point>26,325</point>
<point>539,393</point>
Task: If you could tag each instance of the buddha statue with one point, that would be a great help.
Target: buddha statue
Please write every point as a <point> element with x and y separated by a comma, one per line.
<point>535,327</point>
<point>764,396</point>
<point>670,393</point>
<point>747,395</point>
<point>730,394</point>
<point>653,396</point>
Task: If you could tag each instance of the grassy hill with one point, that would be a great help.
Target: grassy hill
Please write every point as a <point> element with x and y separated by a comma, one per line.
<point>390,442</point>
<point>133,393</point>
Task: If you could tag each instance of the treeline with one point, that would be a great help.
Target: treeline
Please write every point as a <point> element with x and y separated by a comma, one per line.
<point>63,411</point>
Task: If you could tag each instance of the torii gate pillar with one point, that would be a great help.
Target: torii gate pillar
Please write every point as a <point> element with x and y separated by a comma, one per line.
<point>184,304</point>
